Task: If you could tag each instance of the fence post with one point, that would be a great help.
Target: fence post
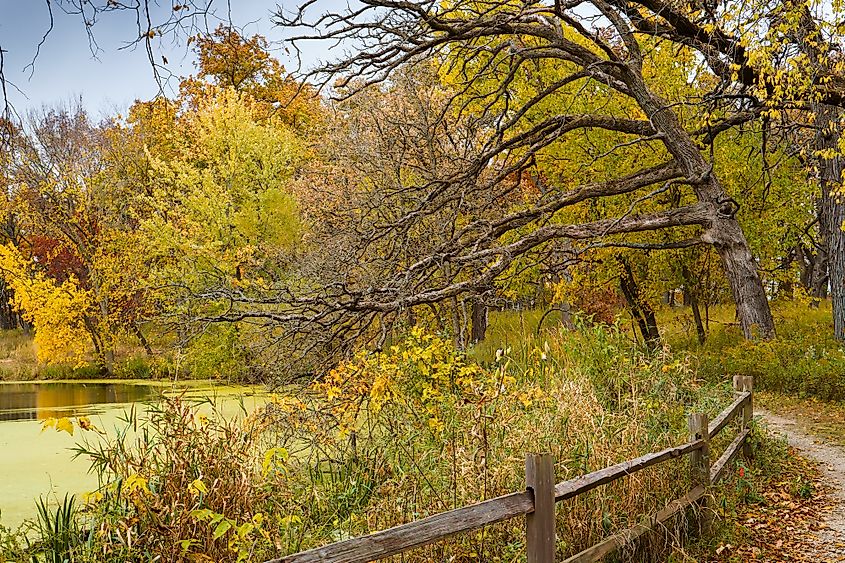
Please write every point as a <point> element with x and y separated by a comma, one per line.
<point>700,461</point>
<point>540,524</point>
<point>744,383</point>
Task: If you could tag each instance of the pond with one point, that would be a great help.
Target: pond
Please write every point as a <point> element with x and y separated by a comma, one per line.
<point>35,463</point>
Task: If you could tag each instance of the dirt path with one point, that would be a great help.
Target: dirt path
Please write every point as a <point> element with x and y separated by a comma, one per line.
<point>827,544</point>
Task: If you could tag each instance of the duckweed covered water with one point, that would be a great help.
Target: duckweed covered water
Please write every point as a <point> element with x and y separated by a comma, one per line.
<point>35,463</point>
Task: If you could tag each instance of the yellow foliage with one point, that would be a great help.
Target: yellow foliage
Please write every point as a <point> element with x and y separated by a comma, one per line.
<point>60,424</point>
<point>424,372</point>
<point>274,460</point>
<point>93,497</point>
<point>221,199</point>
<point>57,311</point>
<point>197,487</point>
<point>135,485</point>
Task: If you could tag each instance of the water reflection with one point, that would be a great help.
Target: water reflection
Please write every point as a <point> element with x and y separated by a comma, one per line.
<point>37,401</point>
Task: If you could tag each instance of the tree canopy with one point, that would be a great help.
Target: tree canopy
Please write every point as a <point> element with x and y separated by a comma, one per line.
<point>459,156</point>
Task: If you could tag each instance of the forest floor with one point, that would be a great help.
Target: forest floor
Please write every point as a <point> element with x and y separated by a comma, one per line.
<point>797,513</point>
<point>826,542</point>
<point>788,527</point>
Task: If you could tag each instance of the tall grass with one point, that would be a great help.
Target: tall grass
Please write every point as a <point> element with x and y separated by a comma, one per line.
<point>60,537</point>
<point>19,362</point>
<point>181,482</point>
<point>397,436</point>
<point>200,360</point>
<point>17,355</point>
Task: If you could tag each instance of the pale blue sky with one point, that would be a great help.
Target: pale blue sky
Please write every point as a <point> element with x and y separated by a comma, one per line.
<point>111,81</point>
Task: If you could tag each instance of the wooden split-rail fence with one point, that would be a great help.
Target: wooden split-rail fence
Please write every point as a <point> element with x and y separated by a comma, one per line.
<point>537,502</point>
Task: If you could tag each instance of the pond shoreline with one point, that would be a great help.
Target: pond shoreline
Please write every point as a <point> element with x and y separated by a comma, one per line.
<point>42,462</point>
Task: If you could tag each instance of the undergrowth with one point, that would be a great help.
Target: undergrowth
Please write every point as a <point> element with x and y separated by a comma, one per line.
<point>203,359</point>
<point>804,360</point>
<point>765,510</point>
<point>396,436</point>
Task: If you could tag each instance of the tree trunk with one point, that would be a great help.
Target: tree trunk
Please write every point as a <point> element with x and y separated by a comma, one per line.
<point>691,296</point>
<point>640,309</point>
<point>457,326</point>
<point>651,327</point>
<point>9,318</point>
<point>696,315</point>
<point>836,267</point>
<point>458,335</point>
<point>479,321</point>
<point>755,317</point>
<point>724,231</point>
<point>813,265</point>
<point>566,316</point>
<point>805,266</point>
<point>819,277</point>
<point>96,340</point>
<point>438,320</point>
<point>831,163</point>
<point>785,288</point>
<point>103,328</point>
<point>142,339</point>
<point>830,167</point>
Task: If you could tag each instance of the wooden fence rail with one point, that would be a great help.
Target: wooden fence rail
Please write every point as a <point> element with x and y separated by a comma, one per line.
<point>537,502</point>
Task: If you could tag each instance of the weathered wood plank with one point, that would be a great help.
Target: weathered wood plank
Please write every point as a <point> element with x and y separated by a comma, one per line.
<point>700,464</point>
<point>620,539</point>
<point>579,485</point>
<point>418,533</point>
<point>748,415</point>
<point>746,383</point>
<point>727,415</point>
<point>718,469</point>
<point>700,459</point>
<point>540,524</point>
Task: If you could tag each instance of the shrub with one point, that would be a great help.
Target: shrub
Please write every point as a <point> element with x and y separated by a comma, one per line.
<point>59,535</point>
<point>184,485</point>
<point>217,353</point>
<point>419,429</point>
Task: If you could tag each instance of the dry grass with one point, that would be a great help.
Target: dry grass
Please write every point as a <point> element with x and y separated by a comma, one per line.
<point>602,402</point>
<point>19,361</point>
<point>588,396</point>
<point>17,356</point>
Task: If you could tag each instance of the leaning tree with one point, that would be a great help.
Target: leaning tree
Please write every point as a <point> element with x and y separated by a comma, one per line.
<point>783,58</point>
<point>490,53</point>
<point>553,128</point>
<point>527,85</point>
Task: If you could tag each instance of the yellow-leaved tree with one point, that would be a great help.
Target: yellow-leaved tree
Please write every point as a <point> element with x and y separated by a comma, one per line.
<point>221,214</point>
<point>56,310</point>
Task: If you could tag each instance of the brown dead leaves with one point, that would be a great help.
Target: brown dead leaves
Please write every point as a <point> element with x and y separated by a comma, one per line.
<point>785,522</point>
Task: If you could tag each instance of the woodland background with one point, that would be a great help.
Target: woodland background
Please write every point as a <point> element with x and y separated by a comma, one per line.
<point>570,220</point>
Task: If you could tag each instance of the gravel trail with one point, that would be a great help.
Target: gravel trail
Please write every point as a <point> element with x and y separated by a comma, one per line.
<point>828,544</point>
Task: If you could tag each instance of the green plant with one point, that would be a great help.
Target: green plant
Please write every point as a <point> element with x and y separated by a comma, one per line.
<point>397,435</point>
<point>166,473</point>
<point>418,429</point>
<point>804,360</point>
<point>59,534</point>
<point>217,353</point>
<point>136,367</point>
<point>14,545</point>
